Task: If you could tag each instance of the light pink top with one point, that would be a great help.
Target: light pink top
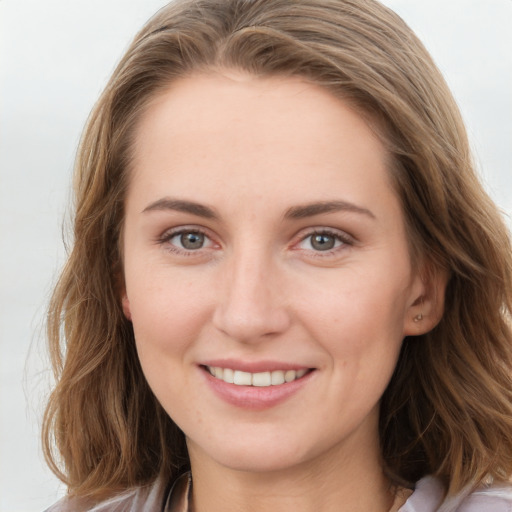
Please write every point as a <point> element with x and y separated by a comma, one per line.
<point>427,497</point>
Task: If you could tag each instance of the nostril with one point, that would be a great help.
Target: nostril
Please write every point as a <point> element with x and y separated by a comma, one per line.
<point>250,323</point>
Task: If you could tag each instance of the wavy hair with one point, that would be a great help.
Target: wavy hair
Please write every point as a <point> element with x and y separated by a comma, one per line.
<point>448,408</point>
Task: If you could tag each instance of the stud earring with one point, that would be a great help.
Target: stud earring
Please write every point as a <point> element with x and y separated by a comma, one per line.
<point>418,318</point>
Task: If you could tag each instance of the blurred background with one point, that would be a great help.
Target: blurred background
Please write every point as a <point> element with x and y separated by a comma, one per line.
<point>55,58</point>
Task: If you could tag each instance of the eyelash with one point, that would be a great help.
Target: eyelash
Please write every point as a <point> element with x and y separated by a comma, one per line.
<point>165,240</point>
<point>344,239</point>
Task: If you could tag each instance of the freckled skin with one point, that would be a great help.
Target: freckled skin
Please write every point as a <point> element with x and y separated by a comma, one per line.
<point>250,149</point>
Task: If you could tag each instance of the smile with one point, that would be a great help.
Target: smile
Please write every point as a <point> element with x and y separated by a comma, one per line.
<point>260,379</point>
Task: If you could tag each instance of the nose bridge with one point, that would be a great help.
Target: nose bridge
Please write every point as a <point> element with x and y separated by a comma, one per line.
<point>250,305</point>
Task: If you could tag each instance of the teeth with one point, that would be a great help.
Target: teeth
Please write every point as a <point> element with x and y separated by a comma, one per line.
<point>228,375</point>
<point>290,375</point>
<point>242,378</point>
<point>277,378</point>
<point>261,379</point>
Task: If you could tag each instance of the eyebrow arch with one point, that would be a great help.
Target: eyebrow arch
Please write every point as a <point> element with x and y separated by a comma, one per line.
<point>180,205</point>
<point>309,210</point>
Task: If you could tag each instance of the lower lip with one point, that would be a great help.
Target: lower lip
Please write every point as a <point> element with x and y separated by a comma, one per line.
<point>254,397</point>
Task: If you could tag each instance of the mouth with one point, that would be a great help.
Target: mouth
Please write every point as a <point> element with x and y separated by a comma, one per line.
<point>259,379</point>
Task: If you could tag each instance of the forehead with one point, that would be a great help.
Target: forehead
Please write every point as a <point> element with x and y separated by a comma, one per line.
<point>282,135</point>
<point>228,98</point>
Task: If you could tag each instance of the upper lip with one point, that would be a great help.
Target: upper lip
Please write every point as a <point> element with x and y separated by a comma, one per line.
<point>253,366</point>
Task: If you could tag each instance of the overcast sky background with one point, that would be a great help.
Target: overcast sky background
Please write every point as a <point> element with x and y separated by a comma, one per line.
<point>55,57</point>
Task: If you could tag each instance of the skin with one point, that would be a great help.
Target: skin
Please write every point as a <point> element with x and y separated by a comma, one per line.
<point>251,152</point>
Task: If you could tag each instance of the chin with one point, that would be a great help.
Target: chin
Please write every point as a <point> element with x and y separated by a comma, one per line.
<point>254,457</point>
<point>261,464</point>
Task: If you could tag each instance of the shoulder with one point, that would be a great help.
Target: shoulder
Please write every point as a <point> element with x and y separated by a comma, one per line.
<point>428,497</point>
<point>492,498</point>
<point>149,498</point>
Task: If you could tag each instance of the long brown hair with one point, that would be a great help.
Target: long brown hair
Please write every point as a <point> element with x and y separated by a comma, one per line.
<point>448,408</point>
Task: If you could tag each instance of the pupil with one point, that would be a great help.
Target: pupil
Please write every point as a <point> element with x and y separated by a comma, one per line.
<point>192,240</point>
<point>322,242</point>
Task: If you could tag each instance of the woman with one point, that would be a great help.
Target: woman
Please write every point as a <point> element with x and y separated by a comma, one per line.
<point>287,288</point>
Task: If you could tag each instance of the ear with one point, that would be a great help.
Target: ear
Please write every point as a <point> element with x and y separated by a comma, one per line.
<point>120,288</point>
<point>126,305</point>
<point>426,305</point>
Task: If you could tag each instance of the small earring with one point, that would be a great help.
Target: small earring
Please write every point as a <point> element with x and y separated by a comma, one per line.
<point>418,318</point>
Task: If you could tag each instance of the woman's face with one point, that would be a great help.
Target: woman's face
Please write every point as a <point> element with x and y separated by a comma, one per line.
<point>264,244</point>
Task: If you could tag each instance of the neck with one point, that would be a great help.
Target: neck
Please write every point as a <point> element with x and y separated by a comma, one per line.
<point>337,481</point>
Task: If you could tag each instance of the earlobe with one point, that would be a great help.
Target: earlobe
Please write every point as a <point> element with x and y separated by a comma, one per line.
<point>418,317</point>
<point>126,306</point>
<point>426,309</point>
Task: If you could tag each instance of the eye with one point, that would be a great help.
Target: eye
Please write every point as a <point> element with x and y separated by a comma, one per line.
<point>186,240</point>
<point>323,241</point>
<point>189,240</point>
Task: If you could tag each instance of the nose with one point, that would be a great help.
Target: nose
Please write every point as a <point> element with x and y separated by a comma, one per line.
<point>251,306</point>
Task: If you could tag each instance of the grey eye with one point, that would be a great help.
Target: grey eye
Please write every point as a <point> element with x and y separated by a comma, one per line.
<point>191,241</point>
<point>322,242</point>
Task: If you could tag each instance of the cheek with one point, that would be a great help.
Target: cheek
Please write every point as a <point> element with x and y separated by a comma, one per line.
<point>165,324</point>
<point>357,313</point>
<point>165,316</point>
<point>170,309</point>
<point>168,316</point>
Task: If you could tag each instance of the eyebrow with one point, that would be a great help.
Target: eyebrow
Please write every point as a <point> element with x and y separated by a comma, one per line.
<point>311,209</point>
<point>295,212</point>
<point>181,205</point>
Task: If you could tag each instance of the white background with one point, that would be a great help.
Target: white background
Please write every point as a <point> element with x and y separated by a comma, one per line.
<point>55,57</point>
